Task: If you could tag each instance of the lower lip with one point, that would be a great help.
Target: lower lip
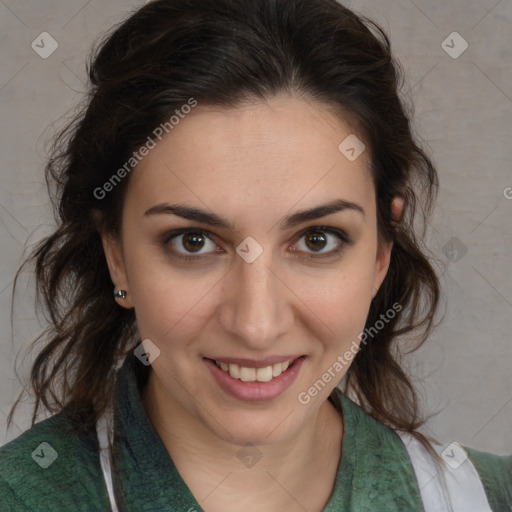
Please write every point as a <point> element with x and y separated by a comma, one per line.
<point>255,391</point>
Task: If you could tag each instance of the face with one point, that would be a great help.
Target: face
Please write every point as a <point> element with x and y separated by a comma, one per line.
<point>250,280</point>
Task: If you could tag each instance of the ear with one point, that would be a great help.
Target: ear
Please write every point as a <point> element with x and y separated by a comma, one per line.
<point>384,250</point>
<point>116,266</point>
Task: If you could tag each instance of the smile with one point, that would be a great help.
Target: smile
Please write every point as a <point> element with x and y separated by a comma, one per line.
<point>256,382</point>
<point>247,374</point>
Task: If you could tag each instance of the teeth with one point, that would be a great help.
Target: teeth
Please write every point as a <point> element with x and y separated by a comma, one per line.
<point>233,370</point>
<point>247,374</point>
<point>254,374</point>
<point>264,374</point>
<point>277,369</point>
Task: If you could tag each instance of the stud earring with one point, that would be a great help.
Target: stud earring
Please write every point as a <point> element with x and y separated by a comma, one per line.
<point>120,294</point>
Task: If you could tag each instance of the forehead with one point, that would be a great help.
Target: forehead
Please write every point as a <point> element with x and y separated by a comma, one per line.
<point>265,154</point>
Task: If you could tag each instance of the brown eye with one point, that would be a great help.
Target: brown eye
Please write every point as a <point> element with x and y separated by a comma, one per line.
<point>322,241</point>
<point>185,242</point>
<point>193,242</point>
<point>316,240</point>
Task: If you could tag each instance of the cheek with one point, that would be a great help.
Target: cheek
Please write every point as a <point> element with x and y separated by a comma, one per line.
<point>166,307</point>
<point>171,303</point>
<point>342,308</point>
<point>343,300</point>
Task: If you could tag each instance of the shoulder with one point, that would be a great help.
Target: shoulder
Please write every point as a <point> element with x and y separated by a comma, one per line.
<point>387,447</point>
<point>376,472</point>
<point>51,467</point>
<point>381,436</point>
<point>495,472</point>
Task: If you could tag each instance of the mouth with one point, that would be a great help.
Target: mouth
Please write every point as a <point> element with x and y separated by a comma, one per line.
<point>250,383</point>
<point>249,374</point>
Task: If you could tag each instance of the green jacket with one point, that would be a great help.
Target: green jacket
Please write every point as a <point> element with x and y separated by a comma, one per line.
<point>53,468</point>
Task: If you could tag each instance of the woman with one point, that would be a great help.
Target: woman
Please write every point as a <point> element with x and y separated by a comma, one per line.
<point>243,181</point>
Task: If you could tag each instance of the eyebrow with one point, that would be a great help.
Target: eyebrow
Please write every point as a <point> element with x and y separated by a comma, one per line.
<point>212,219</point>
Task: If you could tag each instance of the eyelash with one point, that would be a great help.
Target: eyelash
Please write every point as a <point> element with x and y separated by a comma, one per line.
<point>341,235</point>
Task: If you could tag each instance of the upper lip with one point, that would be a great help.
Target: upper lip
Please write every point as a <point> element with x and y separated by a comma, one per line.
<point>256,363</point>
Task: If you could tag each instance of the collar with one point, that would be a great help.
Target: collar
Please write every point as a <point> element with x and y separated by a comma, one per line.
<point>374,472</point>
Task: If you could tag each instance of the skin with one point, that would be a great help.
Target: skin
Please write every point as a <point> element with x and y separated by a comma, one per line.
<point>251,165</point>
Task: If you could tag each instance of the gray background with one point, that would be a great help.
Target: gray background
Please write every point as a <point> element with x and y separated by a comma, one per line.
<point>463,109</point>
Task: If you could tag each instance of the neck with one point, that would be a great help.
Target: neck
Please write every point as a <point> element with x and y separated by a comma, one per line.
<point>203,459</point>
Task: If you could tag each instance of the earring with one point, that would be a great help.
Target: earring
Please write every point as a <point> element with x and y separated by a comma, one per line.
<point>120,294</point>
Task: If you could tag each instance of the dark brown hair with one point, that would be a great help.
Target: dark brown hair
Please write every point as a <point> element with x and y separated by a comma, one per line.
<point>222,53</point>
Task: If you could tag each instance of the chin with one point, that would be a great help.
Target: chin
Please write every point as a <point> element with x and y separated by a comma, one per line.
<point>254,427</point>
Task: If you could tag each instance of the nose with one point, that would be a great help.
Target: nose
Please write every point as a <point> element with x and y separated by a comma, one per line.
<point>257,307</point>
